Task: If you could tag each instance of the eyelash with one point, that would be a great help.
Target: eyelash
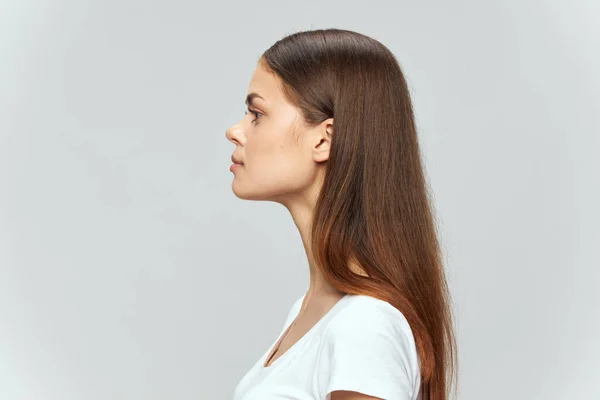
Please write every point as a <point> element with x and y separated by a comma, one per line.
<point>253,112</point>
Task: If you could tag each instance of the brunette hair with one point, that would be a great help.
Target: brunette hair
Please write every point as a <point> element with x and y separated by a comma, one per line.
<point>373,207</point>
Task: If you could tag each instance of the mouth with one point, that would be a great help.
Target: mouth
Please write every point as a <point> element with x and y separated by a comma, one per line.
<point>235,166</point>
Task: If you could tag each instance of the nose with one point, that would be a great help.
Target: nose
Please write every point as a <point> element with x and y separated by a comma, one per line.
<point>235,134</point>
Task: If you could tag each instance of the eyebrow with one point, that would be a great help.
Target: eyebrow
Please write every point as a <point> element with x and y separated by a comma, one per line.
<point>251,96</point>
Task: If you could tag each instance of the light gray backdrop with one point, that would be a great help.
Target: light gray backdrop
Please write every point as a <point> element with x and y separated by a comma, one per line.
<point>129,270</point>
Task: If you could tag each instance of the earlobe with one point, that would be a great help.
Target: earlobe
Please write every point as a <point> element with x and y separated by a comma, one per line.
<point>325,136</point>
<point>321,151</point>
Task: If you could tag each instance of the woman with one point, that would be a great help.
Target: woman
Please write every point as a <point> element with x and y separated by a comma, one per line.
<point>330,134</point>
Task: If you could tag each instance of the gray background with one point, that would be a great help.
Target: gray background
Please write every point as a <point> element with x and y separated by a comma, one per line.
<point>129,270</point>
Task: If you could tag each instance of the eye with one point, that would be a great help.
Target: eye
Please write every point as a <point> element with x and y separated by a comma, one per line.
<point>256,113</point>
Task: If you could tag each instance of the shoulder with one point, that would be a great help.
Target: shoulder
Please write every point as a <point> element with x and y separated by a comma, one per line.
<point>369,314</point>
<point>368,319</point>
<point>368,347</point>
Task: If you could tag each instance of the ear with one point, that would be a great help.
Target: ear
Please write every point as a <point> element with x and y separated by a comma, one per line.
<point>323,135</point>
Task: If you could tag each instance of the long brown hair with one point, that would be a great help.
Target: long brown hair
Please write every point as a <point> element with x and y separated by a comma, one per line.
<point>373,207</point>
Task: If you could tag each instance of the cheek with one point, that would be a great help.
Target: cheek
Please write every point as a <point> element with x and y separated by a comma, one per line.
<point>260,152</point>
<point>264,148</point>
<point>273,162</point>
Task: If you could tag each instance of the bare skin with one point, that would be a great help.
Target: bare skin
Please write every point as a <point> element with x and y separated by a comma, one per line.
<point>275,168</point>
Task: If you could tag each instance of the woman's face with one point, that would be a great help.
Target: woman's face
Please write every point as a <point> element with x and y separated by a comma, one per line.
<point>275,166</point>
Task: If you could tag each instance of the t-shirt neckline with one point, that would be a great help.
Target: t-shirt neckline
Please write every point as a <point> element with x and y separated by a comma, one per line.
<point>289,352</point>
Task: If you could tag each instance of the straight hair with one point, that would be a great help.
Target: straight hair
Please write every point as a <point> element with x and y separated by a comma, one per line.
<point>374,207</point>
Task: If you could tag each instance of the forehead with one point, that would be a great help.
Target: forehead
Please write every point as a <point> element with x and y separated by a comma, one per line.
<point>267,86</point>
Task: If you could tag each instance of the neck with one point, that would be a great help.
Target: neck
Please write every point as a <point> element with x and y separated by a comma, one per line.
<point>301,212</point>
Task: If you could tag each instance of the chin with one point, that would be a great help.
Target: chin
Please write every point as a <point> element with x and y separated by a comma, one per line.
<point>245,194</point>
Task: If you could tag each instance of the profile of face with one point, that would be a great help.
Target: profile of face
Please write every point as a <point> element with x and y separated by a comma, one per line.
<point>275,166</point>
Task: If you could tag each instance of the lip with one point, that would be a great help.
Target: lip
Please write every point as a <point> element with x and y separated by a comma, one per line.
<point>235,160</point>
<point>235,166</point>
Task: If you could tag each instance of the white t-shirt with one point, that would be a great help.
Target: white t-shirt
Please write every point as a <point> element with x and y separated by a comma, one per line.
<point>362,344</point>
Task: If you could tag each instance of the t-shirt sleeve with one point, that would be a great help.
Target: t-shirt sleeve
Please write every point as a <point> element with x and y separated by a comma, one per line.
<point>369,350</point>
